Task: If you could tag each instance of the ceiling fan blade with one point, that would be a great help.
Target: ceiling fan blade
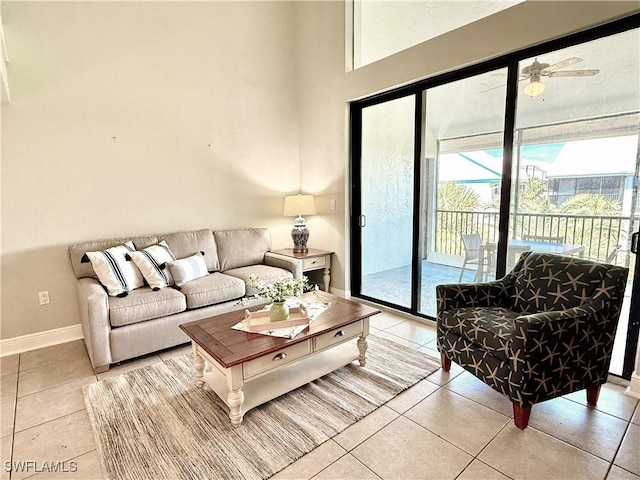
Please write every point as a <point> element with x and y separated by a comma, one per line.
<point>557,66</point>
<point>493,88</point>
<point>575,73</point>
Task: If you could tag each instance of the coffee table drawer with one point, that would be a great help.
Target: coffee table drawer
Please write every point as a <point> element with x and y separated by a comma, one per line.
<point>276,359</point>
<point>338,335</point>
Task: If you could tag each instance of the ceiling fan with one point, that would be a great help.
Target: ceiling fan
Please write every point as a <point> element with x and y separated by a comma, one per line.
<point>536,70</point>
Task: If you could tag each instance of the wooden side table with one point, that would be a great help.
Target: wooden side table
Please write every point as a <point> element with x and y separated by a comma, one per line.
<point>313,259</point>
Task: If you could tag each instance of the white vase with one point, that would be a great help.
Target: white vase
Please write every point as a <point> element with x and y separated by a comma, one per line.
<point>279,311</point>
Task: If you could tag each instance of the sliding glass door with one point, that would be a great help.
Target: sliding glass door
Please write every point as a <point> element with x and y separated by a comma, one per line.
<point>576,156</point>
<point>385,222</point>
<point>463,135</point>
<point>454,177</point>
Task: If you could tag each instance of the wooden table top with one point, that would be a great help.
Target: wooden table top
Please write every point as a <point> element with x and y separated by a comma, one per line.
<point>231,347</point>
<point>310,253</point>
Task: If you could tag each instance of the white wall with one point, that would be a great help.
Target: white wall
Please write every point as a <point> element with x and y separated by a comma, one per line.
<point>166,79</point>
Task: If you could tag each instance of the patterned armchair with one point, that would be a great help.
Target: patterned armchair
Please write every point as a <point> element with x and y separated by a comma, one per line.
<point>544,330</point>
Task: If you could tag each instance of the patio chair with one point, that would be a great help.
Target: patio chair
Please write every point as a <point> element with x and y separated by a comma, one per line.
<point>613,254</point>
<point>544,330</point>
<point>471,243</point>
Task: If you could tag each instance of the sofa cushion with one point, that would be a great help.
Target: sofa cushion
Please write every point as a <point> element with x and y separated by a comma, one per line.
<point>185,244</point>
<point>549,282</point>
<point>211,289</point>
<point>152,263</point>
<point>115,270</point>
<point>187,269</point>
<point>490,327</point>
<point>77,251</point>
<point>266,273</point>
<point>145,304</point>
<point>239,248</point>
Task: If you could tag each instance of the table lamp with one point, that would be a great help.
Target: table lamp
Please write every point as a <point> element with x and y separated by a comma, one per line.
<point>296,206</point>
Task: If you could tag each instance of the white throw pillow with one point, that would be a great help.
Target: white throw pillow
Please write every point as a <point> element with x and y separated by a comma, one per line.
<point>187,269</point>
<point>115,272</point>
<point>151,262</point>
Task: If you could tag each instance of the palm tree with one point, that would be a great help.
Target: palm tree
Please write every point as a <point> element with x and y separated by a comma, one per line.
<point>594,230</point>
<point>457,197</point>
<point>533,197</point>
<point>591,204</point>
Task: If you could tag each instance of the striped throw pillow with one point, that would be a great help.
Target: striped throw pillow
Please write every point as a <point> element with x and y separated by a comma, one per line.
<point>187,269</point>
<point>118,274</point>
<point>151,262</point>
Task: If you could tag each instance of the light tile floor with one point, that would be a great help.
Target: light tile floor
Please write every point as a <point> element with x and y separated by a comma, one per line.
<point>449,426</point>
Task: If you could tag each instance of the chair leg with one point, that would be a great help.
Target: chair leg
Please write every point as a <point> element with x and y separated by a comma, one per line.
<point>521,415</point>
<point>593,391</point>
<point>464,264</point>
<point>446,363</point>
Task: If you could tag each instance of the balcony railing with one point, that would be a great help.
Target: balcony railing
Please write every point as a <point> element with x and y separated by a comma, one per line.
<point>599,234</point>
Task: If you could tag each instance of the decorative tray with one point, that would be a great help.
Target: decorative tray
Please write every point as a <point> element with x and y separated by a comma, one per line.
<point>261,321</point>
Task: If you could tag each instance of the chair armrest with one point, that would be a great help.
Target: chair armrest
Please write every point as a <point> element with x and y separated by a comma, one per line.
<point>294,265</point>
<point>554,353</point>
<point>94,314</point>
<point>460,295</point>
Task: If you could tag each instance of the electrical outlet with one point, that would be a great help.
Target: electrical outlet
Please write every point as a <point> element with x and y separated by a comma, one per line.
<point>332,204</point>
<point>43,297</point>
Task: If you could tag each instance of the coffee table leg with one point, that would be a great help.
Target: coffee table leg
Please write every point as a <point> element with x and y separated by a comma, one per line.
<point>198,364</point>
<point>235,399</point>
<point>362,347</point>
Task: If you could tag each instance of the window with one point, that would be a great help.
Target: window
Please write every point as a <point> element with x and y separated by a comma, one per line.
<point>383,28</point>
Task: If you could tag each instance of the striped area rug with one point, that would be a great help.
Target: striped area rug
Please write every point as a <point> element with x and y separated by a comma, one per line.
<point>153,423</point>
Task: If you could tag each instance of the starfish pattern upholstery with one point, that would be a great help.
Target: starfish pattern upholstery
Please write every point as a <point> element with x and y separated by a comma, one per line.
<point>544,330</point>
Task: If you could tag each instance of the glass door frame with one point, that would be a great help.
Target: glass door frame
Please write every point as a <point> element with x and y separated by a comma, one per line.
<point>510,62</point>
<point>356,198</point>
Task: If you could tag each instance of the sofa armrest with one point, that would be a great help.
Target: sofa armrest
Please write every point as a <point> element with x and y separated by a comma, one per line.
<point>94,313</point>
<point>294,265</point>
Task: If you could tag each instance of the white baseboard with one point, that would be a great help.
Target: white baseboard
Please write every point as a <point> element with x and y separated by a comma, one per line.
<point>633,390</point>
<point>340,293</point>
<point>24,343</point>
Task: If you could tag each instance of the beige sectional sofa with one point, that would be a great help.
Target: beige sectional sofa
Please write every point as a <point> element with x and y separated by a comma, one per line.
<point>145,320</point>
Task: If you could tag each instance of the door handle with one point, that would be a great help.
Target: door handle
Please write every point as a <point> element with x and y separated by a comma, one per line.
<point>634,242</point>
<point>363,221</point>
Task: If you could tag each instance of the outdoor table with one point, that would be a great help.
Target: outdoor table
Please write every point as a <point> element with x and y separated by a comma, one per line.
<point>516,247</point>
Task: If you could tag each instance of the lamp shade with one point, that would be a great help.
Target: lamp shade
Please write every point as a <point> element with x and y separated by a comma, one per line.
<point>297,205</point>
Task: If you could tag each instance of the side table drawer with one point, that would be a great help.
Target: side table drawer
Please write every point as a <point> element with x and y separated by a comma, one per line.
<point>338,335</point>
<point>311,263</point>
<point>276,359</point>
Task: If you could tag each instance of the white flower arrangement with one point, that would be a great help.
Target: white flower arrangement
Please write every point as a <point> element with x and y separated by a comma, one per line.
<point>279,291</point>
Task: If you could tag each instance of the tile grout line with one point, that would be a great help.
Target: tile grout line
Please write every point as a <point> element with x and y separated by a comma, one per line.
<point>15,415</point>
<point>615,455</point>
<point>506,425</point>
<point>47,421</point>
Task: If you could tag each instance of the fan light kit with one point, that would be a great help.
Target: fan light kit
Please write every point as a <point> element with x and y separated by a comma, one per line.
<point>535,87</point>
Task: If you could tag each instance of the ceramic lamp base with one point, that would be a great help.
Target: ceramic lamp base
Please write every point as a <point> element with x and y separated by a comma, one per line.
<point>300,236</point>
